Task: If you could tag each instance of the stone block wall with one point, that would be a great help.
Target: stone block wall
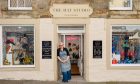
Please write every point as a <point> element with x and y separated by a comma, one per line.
<point>41,9</point>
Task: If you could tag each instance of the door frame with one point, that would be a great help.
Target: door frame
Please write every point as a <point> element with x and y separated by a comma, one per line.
<point>69,22</point>
<point>81,50</point>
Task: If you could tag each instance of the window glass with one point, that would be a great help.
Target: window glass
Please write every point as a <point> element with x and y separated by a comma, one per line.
<point>20,4</point>
<point>120,5</point>
<point>18,45</point>
<point>13,3</point>
<point>126,44</point>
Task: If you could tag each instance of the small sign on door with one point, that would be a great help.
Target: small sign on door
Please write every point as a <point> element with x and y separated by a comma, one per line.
<point>97,49</point>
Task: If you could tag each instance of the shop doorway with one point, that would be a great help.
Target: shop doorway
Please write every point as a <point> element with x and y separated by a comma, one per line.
<point>74,44</point>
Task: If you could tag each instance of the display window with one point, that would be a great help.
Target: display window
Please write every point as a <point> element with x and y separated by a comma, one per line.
<point>125,45</point>
<point>17,46</point>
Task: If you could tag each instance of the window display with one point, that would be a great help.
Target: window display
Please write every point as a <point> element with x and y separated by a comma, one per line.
<point>126,44</point>
<point>18,45</point>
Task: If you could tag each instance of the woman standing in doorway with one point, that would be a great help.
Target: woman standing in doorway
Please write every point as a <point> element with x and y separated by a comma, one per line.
<point>65,65</point>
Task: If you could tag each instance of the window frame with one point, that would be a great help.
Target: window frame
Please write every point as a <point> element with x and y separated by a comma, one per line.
<point>1,49</point>
<point>18,8</point>
<point>120,65</point>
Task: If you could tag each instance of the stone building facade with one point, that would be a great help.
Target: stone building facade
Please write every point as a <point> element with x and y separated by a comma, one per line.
<point>40,9</point>
<point>106,40</point>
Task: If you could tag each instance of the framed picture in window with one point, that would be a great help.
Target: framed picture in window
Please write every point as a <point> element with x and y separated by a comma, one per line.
<point>120,5</point>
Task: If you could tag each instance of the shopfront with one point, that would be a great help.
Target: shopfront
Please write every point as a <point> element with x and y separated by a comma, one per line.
<point>39,67</point>
<point>101,49</point>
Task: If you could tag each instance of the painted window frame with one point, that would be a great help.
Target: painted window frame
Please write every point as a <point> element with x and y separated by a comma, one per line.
<point>119,7</point>
<point>1,50</point>
<point>120,65</point>
<point>18,8</point>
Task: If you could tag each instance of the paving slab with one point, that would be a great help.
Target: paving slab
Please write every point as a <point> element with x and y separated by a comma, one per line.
<point>58,82</point>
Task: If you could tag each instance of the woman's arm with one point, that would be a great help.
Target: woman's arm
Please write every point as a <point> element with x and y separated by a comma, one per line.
<point>58,50</point>
<point>60,59</point>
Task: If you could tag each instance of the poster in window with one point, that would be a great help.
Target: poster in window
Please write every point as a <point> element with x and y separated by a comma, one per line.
<point>97,49</point>
<point>120,5</point>
<point>46,50</point>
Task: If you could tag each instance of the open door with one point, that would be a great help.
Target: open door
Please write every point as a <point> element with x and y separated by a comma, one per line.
<point>74,44</point>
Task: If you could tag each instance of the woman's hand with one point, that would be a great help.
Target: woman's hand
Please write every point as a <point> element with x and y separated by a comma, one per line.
<point>64,61</point>
<point>60,59</point>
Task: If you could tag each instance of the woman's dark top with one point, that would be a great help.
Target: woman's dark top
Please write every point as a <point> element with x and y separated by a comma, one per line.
<point>65,49</point>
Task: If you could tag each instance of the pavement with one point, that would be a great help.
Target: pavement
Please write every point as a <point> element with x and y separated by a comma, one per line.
<point>75,80</point>
<point>53,82</point>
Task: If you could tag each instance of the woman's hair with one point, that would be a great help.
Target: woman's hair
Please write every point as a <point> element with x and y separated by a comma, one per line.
<point>61,43</point>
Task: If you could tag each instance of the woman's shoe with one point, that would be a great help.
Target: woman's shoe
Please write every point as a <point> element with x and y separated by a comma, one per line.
<point>69,79</point>
<point>64,81</point>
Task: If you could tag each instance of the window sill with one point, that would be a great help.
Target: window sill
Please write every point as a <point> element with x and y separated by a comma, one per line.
<point>19,68</point>
<point>20,8</point>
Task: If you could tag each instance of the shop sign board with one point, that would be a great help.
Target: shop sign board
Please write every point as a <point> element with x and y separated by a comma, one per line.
<point>71,10</point>
<point>97,49</point>
<point>120,5</point>
<point>46,50</point>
